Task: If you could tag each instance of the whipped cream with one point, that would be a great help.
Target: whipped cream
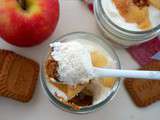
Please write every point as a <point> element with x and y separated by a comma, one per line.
<point>100,92</point>
<point>73,63</point>
<point>114,15</point>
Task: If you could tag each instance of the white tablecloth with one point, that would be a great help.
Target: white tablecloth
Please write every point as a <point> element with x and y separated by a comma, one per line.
<point>74,16</point>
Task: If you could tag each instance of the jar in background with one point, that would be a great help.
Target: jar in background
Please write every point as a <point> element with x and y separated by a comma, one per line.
<point>119,35</point>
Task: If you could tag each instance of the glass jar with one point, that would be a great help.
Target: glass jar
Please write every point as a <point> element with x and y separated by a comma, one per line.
<point>118,34</point>
<point>90,37</point>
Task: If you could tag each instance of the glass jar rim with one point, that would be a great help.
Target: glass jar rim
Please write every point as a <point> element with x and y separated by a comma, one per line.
<point>87,109</point>
<point>98,2</point>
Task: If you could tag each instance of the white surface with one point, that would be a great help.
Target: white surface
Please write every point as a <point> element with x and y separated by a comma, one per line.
<point>74,17</point>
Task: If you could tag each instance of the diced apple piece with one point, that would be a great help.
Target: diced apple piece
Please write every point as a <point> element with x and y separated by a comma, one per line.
<point>155,3</point>
<point>70,91</point>
<point>99,60</point>
<point>133,14</point>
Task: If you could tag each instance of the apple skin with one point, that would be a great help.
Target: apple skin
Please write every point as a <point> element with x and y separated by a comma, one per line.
<point>28,27</point>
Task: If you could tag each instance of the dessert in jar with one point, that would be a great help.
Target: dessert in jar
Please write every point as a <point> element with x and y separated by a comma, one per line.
<point>76,91</point>
<point>128,22</point>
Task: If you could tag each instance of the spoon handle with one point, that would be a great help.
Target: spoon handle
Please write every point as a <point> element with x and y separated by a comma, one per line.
<point>102,72</point>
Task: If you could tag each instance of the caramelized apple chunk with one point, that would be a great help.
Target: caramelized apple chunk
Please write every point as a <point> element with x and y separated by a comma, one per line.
<point>133,14</point>
<point>99,60</point>
<point>155,3</point>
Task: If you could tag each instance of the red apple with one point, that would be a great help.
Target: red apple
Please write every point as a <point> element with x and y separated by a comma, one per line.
<point>28,22</point>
